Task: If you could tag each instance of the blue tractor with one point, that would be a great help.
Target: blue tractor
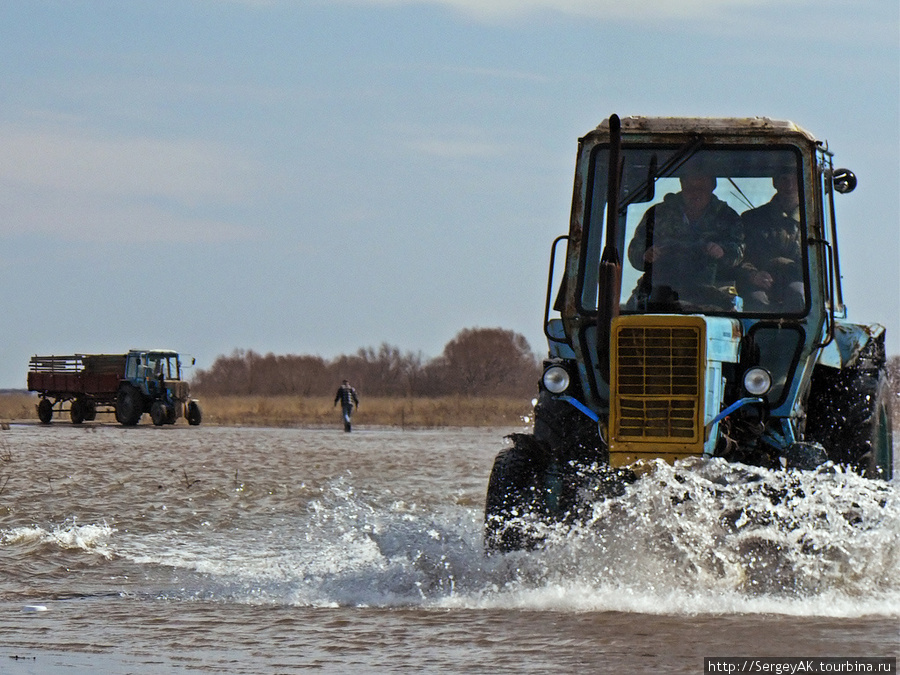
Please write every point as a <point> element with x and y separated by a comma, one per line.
<point>153,384</point>
<point>697,313</point>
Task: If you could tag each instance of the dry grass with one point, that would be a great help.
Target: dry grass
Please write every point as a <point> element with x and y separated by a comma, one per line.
<point>458,411</point>
<point>400,412</point>
<point>18,407</point>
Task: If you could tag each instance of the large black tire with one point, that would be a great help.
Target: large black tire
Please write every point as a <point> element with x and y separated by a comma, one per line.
<point>129,406</point>
<point>850,415</point>
<point>45,410</point>
<point>883,436</point>
<point>76,411</point>
<point>516,502</point>
<point>572,435</point>
<point>90,410</point>
<point>194,414</point>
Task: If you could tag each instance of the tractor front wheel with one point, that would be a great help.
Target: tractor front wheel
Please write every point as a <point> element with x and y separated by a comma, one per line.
<point>515,505</point>
<point>159,413</point>
<point>194,414</point>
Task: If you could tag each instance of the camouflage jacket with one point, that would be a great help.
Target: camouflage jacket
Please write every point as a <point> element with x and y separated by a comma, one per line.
<point>772,237</point>
<point>684,261</point>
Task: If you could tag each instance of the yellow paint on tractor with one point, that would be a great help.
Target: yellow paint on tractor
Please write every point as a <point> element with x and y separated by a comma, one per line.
<point>658,371</point>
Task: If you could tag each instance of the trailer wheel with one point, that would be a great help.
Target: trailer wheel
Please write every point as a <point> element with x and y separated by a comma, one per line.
<point>194,414</point>
<point>129,406</point>
<point>45,410</point>
<point>76,411</point>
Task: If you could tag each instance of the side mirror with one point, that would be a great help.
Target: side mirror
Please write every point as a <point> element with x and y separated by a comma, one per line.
<point>844,180</point>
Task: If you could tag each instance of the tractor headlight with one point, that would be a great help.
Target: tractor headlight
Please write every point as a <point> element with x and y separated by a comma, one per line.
<point>757,381</point>
<point>556,379</point>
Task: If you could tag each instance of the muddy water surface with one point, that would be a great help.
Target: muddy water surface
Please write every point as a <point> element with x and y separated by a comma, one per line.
<point>177,549</point>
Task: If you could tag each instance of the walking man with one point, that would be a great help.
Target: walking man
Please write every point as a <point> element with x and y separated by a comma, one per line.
<point>349,400</point>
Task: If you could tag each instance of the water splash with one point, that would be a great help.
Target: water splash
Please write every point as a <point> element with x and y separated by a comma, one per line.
<point>708,536</point>
<point>699,537</point>
<point>91,538</point>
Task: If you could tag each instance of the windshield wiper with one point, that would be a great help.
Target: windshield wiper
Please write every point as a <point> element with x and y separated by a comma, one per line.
<point>675,162</point>
<point>744,197</point>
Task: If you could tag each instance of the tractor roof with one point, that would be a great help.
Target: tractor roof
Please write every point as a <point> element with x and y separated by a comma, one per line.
<point>740,126</point>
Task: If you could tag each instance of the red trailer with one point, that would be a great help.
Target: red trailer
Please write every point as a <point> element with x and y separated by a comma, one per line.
<point>85,381</point>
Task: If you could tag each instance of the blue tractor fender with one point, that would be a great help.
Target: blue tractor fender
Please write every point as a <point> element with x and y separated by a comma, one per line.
<point>849,340</point>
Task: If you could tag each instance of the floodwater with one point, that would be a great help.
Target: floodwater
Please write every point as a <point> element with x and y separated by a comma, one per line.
<point>212,550</point>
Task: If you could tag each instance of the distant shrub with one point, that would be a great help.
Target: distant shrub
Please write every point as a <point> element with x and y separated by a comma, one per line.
<point>477,362</point>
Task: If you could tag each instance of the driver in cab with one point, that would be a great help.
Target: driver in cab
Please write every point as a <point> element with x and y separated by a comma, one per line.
<point>687,246</point>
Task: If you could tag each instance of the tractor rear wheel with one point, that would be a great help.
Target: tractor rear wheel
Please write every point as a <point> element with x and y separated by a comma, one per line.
<point>129,406</point>
<point>850,414</point>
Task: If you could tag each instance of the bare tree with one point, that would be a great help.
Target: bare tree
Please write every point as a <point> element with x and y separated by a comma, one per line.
<point>477,362</point>
<point>488,361</point>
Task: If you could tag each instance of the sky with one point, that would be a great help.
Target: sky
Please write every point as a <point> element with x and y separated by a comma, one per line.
<point>313,177</point>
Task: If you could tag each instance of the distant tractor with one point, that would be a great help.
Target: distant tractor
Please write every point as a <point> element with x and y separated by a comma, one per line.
<point>129,385</point>
<point>691,325</point>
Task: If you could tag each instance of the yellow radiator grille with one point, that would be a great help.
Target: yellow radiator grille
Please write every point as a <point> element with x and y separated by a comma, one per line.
<point>658,370</point>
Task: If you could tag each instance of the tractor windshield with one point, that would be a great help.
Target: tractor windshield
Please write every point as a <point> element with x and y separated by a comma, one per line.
<point>703,229</point>
<point>165,365</point>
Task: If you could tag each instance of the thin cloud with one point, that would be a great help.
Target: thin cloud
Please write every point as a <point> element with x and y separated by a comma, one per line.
<point>71,184</point>
<point>499,73</point>
<point>65,217</point>
<point>450,149</point>
<point>70,160</point>
<point>614,10</point>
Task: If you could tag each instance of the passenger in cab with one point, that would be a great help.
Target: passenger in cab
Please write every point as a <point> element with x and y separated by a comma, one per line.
<point>771,273</point>
<point>687,246</point>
